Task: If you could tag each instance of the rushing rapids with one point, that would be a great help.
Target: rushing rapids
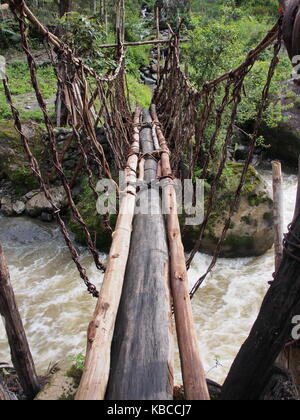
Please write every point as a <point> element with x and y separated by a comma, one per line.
<point>56,309</point>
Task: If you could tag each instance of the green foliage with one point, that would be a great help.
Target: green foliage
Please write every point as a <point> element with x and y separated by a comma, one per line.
<point>262,9</point>
<point>78,360</point>
<point>22,90</point>
<point>23,180</point>
<point>212,50</point>
<point>221,42</point>
<point>84,34</point>
<point>138,93</point>
<point>20,81</point>
<point>259,8</point>
<point>87,207</point>
<point>8,34</point>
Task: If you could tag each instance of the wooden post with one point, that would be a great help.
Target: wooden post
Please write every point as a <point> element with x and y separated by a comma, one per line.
<point>142,351</point>
<point>252,368</point>
<point>192,368</point>
<point>289,356</point>
<point>157,14</point>
<point>120,21</point>
<point>20,352</point>
<point>100,333</point>
<point>297,207</point>
<point>291,353</point>
<point>278,212</point>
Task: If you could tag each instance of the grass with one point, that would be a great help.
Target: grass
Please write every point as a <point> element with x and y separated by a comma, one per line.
<point>22,91</point>
<point>138,92</point>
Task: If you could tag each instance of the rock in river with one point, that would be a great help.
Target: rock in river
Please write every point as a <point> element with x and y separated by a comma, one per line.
<point>39,204</point>
<point>251,230</point>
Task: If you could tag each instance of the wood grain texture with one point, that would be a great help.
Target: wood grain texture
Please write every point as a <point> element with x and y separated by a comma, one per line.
<point>191,364</point>
<point>142,352</point>
<point>19,347</point>
<point>278,212</point>
<point>94,381</point>
<point>252,368</point>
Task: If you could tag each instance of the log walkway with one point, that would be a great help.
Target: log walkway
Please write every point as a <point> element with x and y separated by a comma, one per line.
<point>130,352</point>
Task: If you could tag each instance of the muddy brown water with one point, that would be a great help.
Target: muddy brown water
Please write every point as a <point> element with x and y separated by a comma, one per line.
<point>56,309</point>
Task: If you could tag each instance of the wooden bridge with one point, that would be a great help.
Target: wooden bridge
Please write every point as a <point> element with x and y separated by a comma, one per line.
<point>146,274</point>
<point>130,344</point>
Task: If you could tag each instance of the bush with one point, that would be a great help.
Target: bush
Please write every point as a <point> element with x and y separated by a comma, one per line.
<point>222,44</point>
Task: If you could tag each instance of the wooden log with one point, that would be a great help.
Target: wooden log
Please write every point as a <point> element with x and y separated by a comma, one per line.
<point>278,212</point>
<point>142,352</point>
<point>100,333</point>
<point>252,368</point>
<point>280,386</point>
<point>157,16</point>
<point>291,352</point>
<point>289,357</point>
<point>297,207</point>
<point>19,348</point>
<point>138,43</point>
<point>191,364</point>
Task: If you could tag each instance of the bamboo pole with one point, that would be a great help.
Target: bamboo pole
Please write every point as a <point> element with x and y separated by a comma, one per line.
<point>278,212</point>
<point>100,333</point>
<point>192,367</point>
<point>19,347</point>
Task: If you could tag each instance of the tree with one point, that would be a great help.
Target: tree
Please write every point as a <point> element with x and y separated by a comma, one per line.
<point>64,7</point>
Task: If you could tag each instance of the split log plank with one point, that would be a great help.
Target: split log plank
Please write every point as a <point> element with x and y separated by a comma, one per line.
<point>194,380</point>
<point>94,381</point>
<point>142,351</point>
<point>19,347</point>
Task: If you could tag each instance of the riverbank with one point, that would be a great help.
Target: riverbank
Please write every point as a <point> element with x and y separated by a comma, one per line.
<point>57,309</point>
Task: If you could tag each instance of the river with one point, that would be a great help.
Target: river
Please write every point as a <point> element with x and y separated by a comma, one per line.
<point>56,309</point>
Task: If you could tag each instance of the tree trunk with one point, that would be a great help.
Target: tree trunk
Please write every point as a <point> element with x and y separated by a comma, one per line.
<point>65,6</point>
<point>252,368</point>
<point>20,352</point>
<point>100,333</point>
<point>142,352</point>
<point>191,364</point>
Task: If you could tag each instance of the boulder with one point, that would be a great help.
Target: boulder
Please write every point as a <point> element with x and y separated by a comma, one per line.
<point>39,204</point>
<point>18,207</point>
<point>251,231</point>
<point>62,383</point>
<point>7,206</point>
<point>285,138</point>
